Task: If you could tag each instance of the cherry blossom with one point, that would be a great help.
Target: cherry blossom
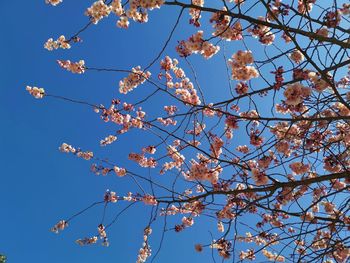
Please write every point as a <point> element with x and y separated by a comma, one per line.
<point>149,200</point>
<point>297,56</point>
<point>66,148</point>
<point>110,197</point>
<point>108,140</point>
<point>87,241</point>
<point>97,11</point>
<point>296,93</point>
<point>196,44</point>
<point>239,66</point>
<point>36,92</point>
<point>61,42</point>
<point>53,2</point>
<point>133,80</point>
<point>224,29</point>
<point>266,37</point>
<point>61,225</point>
<point>74,67</point>
<point>299,168</point>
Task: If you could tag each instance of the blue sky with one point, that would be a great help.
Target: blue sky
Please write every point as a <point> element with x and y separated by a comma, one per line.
<point>40,185</point>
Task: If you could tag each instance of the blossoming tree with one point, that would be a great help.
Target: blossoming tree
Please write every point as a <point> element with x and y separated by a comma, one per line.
<point>276,150</point>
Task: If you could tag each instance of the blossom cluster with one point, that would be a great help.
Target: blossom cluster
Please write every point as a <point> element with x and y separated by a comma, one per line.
<point>242,148</point>
<point>278,77</point>
<point>273,256</point>
<point>53,2</point>
<point>199,170</point>
<point>171,110</point>
<point>223,246</point>
<point>74,67</point>
<point>61,225</point>
<point>110,196</point>
<point>186,221</point>
<point>296,93</point>
<point>145,251</point>
<point>255,138</point>
<point>137,11</point>
<point>97,11</point>
<point>61,42</point>
<point>167,121</point>
<point>216,146</point>
<point>332,19</point>
<point>87,241</point>
<point>187,92</point>
<point>220,226</point>
<point>195,208</point>
<point>196,44</point>
<point>100,169</point>
<point>262,32</point>
<point>223,27</point>
<point>242,88</point>
<point>93,240</point>
<point>147,4</point>
<point>197,128</point>
<point>259,177</point>
<point>149,149</point>
<point>231,123</point>
<point>108,140</point>
<point>134,79</point>
<point>195,13</point>
<point>36,92</point>
<point>305,6</point>
<point>119,171</point>
<point>345,10</point>
<point>239,66</point>
<point>249,254</point>
<point>276,9</point>
<point>297,56</point>
<point>103,235</point>
<point>142,160</point>
<point>184,88</point>
<point>66,148</point>
<point>125,120</point>
<point>177,158</point>
<point>323,31</point>
<point>299,168</point>
<point>149,200</point>
<point>258,239</point>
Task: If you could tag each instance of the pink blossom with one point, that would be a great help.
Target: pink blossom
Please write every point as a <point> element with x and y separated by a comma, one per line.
<point>239,66</point>
<point>196,44</point>
<point>259,177</point>
<point>108,140</point>
<point>297,56</point>
<point>53,2</point>
<point>299,168</point>
<point>149,200</point>
<point>74,67</point>
<point>296,93</point>
<point>37,93</point>
<point>61,42</point>
<point>61,225</point>
<point>97,11</point>
<point>133,80</point>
